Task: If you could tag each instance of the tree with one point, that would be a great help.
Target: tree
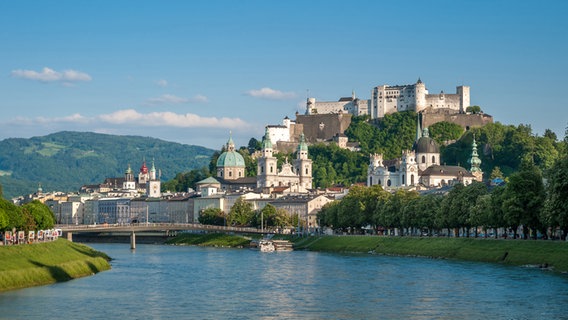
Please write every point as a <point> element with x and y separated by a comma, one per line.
<point>42,216</point>
<point>271,217</point>
<point>473,109</point>
<point>254,145</point>
<point>14,214</point>
<point>212,216</point>
<point>241,213</point>
<point>4,219</point>
<point>556,206</point>
<point>445,131</point>
<point>523,199</point>
<point>496,173</point>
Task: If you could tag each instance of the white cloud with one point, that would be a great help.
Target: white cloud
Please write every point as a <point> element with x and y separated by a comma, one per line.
<point>268,93</point>
<point>187,128</point>
<point>200,98</point>
<point>162,83</point>
<point>171,99</point>
<point>50,75</point>
<point>170,119</point>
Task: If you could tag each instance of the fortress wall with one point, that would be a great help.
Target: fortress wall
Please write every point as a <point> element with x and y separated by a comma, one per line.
<point>445,101</point>
<point>465,120</point>
<point>322,127</point>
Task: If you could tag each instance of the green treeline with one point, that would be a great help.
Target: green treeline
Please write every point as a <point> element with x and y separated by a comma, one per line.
<point>31,216</point>
<point>242,214</point>
<point>523,202</point>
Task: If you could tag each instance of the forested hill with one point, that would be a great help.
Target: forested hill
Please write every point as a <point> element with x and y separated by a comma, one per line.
<point>65,161</point>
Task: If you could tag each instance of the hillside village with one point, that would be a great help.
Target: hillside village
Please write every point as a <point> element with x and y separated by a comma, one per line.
<point>137,197</point>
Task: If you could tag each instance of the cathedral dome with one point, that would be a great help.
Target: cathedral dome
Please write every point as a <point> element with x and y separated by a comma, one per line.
<point>230,158</point>
<point>426,144</point>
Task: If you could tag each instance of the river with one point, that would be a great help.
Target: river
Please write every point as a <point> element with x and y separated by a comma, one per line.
<point>166,282</point>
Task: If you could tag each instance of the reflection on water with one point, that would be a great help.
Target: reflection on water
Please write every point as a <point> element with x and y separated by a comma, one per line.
<point>163,282</point>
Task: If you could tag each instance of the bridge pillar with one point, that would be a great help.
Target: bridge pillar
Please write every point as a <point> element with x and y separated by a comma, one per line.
<point>70,236</point>
<point>133,240</point>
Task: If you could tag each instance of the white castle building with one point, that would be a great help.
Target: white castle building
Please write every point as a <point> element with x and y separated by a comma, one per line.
<point>280,132</point>
<point>415,97</point>
<point>351,105</point>
<point>386,99</point>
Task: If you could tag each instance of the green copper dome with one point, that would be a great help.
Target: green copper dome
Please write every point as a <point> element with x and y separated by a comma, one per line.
<point>230,158</point>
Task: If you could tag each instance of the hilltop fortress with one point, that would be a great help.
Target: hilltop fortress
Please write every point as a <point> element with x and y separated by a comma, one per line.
<point>327,120</point>
<point>387,99</point>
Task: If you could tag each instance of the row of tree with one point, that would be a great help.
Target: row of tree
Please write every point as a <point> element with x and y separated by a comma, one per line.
<point>523,204</point>
<point>31,216</point>
<point>243,215</point>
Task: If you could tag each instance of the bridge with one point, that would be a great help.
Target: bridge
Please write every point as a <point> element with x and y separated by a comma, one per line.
<point>150,227</point>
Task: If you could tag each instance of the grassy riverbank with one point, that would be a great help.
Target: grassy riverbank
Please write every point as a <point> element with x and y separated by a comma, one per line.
<point>210,240</point>
<point>44,263</point>
<point>551,254</point>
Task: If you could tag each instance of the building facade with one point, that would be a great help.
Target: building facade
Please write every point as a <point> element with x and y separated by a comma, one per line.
<point>297,174</point>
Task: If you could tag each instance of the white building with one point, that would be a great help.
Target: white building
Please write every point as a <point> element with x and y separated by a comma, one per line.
<point>415,97</point>
<point>387,99</point>
<point>419,166</point>
<point>280,132</point>
<point>351,105</point>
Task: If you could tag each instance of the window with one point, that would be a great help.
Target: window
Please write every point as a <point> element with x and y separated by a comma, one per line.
<point>389,182</point>
<point>433,159</point>
<point>423,159</point>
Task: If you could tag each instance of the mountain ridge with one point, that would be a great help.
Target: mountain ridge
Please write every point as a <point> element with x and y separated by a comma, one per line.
<point>66,160</point>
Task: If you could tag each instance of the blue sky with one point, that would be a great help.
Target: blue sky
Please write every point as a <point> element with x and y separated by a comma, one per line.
<point>195,71</point>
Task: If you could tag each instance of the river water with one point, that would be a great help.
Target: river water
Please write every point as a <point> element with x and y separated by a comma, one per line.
<point>167,282</point>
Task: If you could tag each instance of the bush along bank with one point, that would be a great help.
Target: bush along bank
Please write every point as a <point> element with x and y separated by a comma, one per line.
<point>545,254</point>
<point>45,263</point>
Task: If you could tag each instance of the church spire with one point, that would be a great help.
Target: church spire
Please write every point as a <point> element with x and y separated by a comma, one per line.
<point>418,126</point>
<point>266,142</point>
<point>475,162</point>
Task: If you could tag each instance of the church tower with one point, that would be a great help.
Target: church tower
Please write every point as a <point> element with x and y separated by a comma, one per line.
<point>267,164</point>
<point>153,185</point>
<point>143,176</point>
<point>303,164</point>
<point>129,183</point>
<point>475,162</point>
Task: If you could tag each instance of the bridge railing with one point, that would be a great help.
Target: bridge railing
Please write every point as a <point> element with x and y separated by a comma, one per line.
<point>154,226</point>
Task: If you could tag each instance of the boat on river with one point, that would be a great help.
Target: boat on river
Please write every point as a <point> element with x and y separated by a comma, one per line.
<point>268,245</point>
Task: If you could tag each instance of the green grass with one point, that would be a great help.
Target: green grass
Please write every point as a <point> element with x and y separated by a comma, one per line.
<point>553,254</point>
<point>44,263</point>
<point>211,239</point>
